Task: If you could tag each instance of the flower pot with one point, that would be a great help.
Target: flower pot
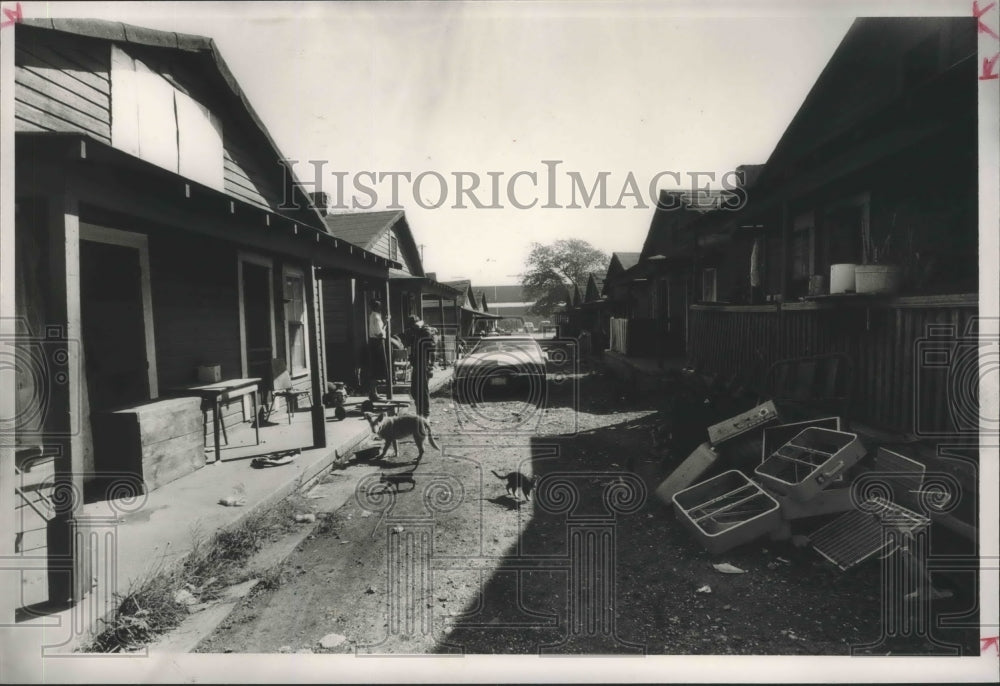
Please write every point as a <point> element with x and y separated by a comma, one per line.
<point>842,278</point>
<point>878,278</point>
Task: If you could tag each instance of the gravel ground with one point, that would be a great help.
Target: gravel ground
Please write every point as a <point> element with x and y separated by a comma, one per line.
<point>454,564</point>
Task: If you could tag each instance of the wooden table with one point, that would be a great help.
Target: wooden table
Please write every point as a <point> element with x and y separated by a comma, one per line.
<point>222,392</point>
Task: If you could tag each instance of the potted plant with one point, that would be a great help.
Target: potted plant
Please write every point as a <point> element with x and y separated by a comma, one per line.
<point>877,273</point>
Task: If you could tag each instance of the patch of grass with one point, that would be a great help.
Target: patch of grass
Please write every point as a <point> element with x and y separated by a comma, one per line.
<point>148,609</point>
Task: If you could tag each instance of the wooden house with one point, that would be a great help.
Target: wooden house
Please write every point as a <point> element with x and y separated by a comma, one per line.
<point>407,289</point>
<point>155,232</point>
<point>884,145</point>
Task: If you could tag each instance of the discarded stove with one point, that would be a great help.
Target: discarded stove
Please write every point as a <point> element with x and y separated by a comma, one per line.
<point>727,510</point>
<point>808,463</point>
<point>879,521</point>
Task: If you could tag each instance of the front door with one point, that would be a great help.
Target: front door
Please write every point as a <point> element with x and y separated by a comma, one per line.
<point>258,337</point>
<point>113,325</point>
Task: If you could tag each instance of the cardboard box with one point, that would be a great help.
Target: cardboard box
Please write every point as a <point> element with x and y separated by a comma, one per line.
<point>209,373</point>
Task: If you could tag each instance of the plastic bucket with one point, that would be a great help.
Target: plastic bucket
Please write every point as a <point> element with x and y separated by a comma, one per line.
<point>842,278</point>
<point>878,278</point>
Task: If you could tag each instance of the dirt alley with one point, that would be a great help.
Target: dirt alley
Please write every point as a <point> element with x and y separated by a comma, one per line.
<point>489,573</point>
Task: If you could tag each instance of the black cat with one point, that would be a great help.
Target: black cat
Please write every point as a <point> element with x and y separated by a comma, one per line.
<point>516,480</point>
<point>396,479</point>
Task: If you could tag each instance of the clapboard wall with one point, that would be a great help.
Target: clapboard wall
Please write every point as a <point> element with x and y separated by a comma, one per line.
<point>63,83</point>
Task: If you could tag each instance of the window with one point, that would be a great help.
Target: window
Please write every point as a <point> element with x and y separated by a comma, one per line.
<point>708,284</point>
<point>295,322</point>
<point>803,250</point>
<point>393,248</point>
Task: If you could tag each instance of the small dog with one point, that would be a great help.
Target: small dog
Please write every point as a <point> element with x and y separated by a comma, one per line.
<point>391,429</point>
<point>516,480</point>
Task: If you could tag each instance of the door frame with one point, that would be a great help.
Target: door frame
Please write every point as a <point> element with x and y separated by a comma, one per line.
<point>260,261</point>
<point>140,242</point>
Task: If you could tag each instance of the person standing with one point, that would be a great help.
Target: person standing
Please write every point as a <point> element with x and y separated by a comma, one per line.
<point>378,366</point>
<point>421,342</point>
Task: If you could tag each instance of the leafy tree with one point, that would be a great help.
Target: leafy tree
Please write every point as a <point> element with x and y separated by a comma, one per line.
<point>552,271</point>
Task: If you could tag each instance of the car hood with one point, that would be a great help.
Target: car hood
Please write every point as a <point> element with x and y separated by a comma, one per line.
<point>518,357</point>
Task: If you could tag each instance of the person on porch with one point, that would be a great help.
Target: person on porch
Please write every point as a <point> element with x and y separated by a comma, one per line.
<point>378,367</point>
<point>421,343</point>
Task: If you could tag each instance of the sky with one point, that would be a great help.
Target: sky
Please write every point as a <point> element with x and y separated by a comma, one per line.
<point>493,89</point>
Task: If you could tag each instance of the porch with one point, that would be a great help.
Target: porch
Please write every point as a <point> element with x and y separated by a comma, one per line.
<point>135,536</point>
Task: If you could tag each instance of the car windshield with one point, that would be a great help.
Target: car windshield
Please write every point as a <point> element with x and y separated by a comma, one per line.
<point>494,346</point>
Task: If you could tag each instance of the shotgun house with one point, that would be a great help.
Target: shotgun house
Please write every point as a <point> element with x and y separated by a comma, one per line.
<point>155,233</point>
<point>348,299</point>
<point>874,178</point>
<point>468,310</point>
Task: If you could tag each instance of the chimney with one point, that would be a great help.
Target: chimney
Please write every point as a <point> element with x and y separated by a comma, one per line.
<point>321,200</point>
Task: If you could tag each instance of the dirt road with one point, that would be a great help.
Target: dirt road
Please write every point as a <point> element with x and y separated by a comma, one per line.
<point>592,563</point>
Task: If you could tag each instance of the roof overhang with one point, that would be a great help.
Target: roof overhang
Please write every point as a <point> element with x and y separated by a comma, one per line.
<point>113,180</point>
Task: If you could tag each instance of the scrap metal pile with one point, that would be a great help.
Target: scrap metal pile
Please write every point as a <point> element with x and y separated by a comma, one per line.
<point>756,475</point>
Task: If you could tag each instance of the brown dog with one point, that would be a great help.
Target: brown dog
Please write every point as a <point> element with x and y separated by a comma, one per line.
<point>391,429</point>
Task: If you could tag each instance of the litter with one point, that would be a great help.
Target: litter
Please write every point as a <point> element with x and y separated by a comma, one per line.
<point>305,518</point>
<point>332,640</point>
<point>370,590</point>
<point>704,589</point>
<point>781,559</point>
<point>232,501</point>
<point>366,513</point>
<point>185,597</point>
<point>278,460</point>
<point>727,568</point>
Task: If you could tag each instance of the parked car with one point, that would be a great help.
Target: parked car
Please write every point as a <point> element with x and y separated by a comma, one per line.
<point>501,363</point>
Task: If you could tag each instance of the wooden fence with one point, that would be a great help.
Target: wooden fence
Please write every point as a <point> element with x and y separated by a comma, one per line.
<point>915,360</point>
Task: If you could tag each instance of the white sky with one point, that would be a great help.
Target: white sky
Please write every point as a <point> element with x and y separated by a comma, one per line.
<point>501,87</point>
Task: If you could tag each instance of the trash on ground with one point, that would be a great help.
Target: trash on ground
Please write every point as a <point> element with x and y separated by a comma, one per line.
<point>704,589</point>
<point>305,518</point>
<point>185,597</point>
<point>370,590</point>
<point>727,568</point>
<point>781,559</point>
<point>332,640</point>
<point>366,513</point>
<point>232,501</point>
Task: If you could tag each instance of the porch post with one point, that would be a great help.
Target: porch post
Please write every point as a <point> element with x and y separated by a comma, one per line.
<point>315,369</point>
<point>391,371</point>
<point>458,325</point>
<point>68,574</point>
<point>441,309</point>
<point>10,579</point>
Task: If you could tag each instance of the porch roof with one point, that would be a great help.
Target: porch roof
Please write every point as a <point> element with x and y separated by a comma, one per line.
<point>424,285</point>
<point>107,175</point>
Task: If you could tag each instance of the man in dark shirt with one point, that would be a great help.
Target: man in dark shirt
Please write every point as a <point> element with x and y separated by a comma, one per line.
<point>421,343</point>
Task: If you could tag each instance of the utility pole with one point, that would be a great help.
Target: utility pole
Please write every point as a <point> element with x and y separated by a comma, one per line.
<point>421,253</point>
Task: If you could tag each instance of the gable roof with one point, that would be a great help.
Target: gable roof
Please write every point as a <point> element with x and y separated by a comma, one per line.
<point>364,229</point>
<point>865,75</point>
<point>213,69</point>
<point>620,262</point>
<point>595,286</point>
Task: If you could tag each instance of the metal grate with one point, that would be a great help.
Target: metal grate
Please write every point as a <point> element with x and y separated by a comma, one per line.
<point>878,523</point>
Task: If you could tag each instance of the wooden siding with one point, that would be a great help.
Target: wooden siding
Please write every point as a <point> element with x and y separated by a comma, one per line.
<point>890,388</point>
<point>381,248</point>
<point>344,351</point>
<point>62,84</point>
